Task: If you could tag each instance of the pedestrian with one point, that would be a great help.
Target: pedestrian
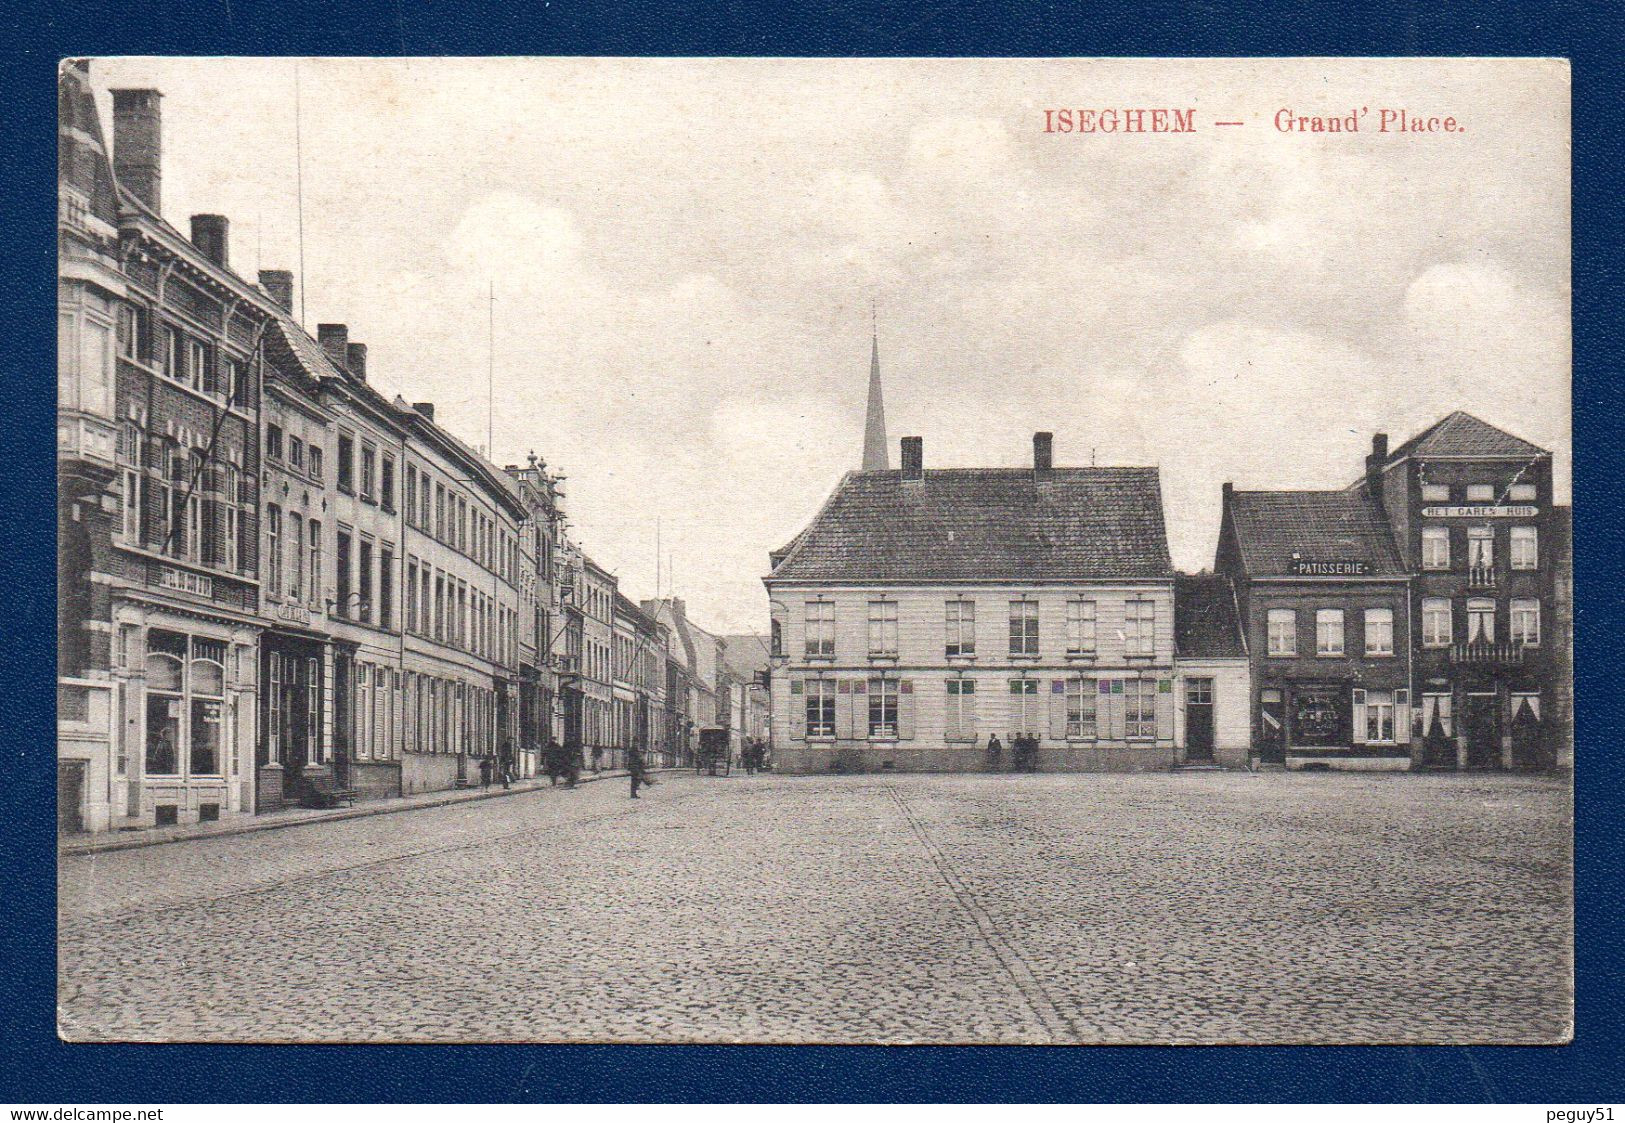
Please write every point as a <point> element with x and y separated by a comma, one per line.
<point>485,772</point>
<point>553,761</point>
<point>995,753</point>
<point>597,759</point>
<point>572,774</point>
<point>505,764</point>
<point>634,769</point>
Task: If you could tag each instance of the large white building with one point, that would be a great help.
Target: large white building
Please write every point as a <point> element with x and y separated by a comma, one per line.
<point>922,612</point>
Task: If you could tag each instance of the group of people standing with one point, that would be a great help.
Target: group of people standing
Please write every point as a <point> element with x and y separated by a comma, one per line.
<point>1024,754</point>
<point>500,767</point>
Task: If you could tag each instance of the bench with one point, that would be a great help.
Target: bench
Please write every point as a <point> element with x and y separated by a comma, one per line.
<point>322,791</point>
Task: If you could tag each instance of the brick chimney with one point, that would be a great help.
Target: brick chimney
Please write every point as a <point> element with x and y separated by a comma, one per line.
<point>278,285</point>
<point>1043,453</point>
<point>355,360</point>
<point>913,458</point>
<point>209,236</point>
<point>425,408</point>
<point>335,341</point>
<point>1374,464</point>
<point>138,144</point>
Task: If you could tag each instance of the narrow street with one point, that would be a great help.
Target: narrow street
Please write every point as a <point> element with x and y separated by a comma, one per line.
<point>1150,908</point>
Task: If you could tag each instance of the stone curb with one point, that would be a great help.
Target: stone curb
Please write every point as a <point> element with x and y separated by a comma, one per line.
<point>395,806</point>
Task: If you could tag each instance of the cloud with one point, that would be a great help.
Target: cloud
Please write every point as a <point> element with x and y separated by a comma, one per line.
<point>684,253</point>
<point>503,233</point>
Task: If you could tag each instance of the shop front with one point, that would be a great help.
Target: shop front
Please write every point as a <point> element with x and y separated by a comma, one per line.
<point>185,704</point>
<point>1317,724</point>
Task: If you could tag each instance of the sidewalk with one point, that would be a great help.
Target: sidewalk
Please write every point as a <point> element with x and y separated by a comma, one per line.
<point>301,816</point>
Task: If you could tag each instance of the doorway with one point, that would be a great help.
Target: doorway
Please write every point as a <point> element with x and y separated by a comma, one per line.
<point>70,796</point>
<point>1271,728</point>
<point>1482,726</point>
<point>1199,720</point>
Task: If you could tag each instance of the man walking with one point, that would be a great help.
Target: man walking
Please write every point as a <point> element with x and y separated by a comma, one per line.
<point>634,769</point>
<point>995,753</point>
<point>554,761</point>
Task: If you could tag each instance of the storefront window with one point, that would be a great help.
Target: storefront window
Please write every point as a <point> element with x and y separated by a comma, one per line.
<point>1379,716</point>
<point>165,665</point>
<point>208,704</point>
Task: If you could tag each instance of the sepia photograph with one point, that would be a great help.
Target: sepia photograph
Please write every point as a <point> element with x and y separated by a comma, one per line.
<point>814,551</point>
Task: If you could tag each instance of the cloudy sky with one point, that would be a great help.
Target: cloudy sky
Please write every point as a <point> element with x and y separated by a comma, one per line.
<point>684,255</point>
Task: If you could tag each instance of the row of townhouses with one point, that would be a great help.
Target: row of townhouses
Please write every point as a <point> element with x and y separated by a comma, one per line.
<point>1419,618</point>
<point>275,579</point>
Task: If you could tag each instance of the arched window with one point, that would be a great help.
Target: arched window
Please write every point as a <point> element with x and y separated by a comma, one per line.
<point>208,695</point>
<point>166,681</point>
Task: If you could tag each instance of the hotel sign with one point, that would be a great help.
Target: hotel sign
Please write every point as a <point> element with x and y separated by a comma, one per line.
<point>1516,511</point>
<point>1302,568</point>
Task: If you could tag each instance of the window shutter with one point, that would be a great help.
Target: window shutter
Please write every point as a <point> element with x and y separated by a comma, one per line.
<point>905,710</point>
<point>1165,709</point>
<point>1402,716</point>
<point>1357,735</point>
<point>967,715</point>
<point>1057,710</point>
<point>843,710</point>
<point>798,713</point>
<point>1116,711</point>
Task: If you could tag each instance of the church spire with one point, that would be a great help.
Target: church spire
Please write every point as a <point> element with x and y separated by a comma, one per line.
<point>875,456</point>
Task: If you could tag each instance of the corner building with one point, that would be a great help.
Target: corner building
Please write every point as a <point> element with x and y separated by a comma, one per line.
<point>159,354</point>
<point>1471,510</point>
<point>923,611</point>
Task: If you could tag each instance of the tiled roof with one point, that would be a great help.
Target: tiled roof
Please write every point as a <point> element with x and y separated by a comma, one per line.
<point>1462,434</point>
<point>1205,620</point>
<point>1274,527</point>
<point>986,524</point>
<point>287,339</point>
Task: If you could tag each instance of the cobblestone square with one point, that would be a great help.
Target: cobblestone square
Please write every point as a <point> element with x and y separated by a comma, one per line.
<point>1197,907</point>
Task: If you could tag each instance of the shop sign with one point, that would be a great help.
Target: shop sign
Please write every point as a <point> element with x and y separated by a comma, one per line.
<point>1302,567</point>
<point>1514,511</point>
<point>185,581</point>
<point>296,613</point>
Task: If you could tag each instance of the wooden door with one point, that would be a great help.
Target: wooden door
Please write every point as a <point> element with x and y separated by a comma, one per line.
<point>1199,719</point>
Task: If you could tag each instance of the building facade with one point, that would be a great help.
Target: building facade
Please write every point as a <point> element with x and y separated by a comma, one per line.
<point>598,719</point>
<point>540,601</point>
<point>1212,674</point>
<point>460,660</point>
<point>1325,602</point>
<point>158,455</point>
<point>297,742</point>
<point>1472,512</point>
<point>923,612</point>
